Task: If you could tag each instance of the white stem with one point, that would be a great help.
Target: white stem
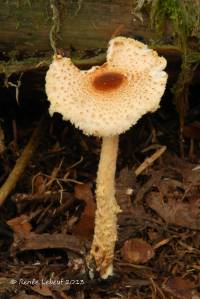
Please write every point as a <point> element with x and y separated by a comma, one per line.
<point>105,233</point>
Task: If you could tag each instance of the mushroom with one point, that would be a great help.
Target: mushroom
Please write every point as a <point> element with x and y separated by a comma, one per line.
<point>105,101</point>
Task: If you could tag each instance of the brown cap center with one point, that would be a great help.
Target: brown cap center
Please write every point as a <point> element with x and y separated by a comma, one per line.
<point>108,81</point>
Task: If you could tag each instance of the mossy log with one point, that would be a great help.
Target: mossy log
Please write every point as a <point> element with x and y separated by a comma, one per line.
<point>82,27</point>
<point>84,24</point>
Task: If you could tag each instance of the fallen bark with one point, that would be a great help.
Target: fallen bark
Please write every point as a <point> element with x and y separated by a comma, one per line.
<point>44,241</point>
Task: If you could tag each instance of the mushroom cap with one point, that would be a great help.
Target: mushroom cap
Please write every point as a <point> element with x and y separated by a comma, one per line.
<point>107,100</point>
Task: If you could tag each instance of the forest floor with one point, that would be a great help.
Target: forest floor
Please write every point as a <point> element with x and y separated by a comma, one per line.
<point>46,223</point>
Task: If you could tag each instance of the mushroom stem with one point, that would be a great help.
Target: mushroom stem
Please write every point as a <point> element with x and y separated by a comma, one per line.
<point>105,232</point>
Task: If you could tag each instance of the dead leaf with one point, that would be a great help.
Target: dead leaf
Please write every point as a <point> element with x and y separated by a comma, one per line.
<point>20,226</point>
<point>22,231</point>
<point>64,296</point>
<point>177,212</point>
<point>180,288</point>
<point>23,295</point>
<point>39,184</point>
<point>42,289</point>
<point>137,251</point>
<point>83,192</point>
<point>85,227</point>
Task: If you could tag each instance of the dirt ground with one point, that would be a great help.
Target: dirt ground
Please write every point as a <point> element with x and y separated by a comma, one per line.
<point>46,223</point>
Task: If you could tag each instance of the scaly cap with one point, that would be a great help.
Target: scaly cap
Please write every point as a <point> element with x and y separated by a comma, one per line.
<point>107,100</point>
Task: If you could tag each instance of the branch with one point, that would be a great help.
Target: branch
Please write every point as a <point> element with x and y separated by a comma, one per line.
<point>23,160</point>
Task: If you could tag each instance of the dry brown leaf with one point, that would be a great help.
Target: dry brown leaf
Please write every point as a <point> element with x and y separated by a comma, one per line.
<point>85,227</point>
<point>180,288</point>
<point>39,184</point>
<point>23,295</point>
<point>137,251</point>
<point>180,213</point>
<point>43,290</point>
<point>22,231</point>
<point>20,226</point>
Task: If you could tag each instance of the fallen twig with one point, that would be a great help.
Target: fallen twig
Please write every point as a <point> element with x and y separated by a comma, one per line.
<point>48,196</point>
<point>23,160</point>
<point>28,64</point>
<point>150,160</point>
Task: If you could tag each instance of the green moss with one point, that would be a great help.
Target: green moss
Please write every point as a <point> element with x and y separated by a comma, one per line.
<point>183,16</point>
<point>185,19</point>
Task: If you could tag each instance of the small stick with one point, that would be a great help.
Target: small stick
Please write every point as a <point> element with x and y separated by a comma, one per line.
<point>23,161</point>
<point>40,197</point>
<point>54,175</point>
<point>150,160</point>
